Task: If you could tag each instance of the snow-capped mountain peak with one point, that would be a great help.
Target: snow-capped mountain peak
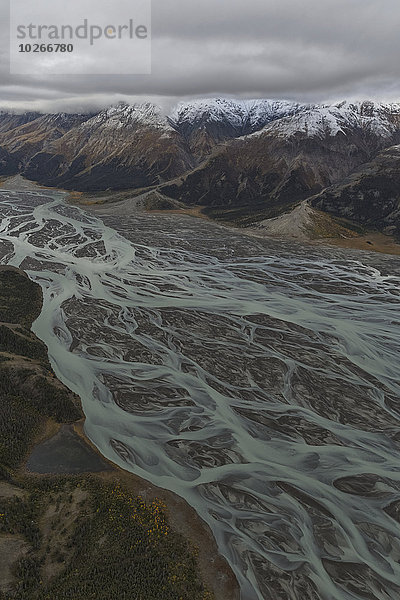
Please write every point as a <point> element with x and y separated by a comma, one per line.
<point>244,116</point>
<point>123,115</point>
<point>330,120</point>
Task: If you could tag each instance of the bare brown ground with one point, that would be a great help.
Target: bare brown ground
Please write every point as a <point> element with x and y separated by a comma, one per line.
<point>10,491</point>
<point>374,242</point>
<point>12,548</point>
<point>194,211</point>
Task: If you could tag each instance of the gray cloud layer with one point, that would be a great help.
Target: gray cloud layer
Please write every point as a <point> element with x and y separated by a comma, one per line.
<point>309,50</point>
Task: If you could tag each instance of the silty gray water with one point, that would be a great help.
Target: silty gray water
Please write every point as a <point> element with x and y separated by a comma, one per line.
<point>258,380</point>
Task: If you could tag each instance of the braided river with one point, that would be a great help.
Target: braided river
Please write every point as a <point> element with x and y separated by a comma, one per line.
<point>257,379</point>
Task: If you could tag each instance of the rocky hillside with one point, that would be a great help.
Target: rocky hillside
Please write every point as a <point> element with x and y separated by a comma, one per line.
<point>10,121</point>
<point>123,146</point>
<point>244,160</point>
<point>369,196</point>
<point>32,134</point>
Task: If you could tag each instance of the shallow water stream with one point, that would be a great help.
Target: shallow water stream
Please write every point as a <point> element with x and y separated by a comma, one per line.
<point>259,380</point>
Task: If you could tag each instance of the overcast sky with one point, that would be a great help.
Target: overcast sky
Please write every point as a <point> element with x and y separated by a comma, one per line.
<point>308,50</point>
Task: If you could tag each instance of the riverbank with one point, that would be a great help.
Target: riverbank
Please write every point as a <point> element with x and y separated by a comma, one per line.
<point>60,499</point>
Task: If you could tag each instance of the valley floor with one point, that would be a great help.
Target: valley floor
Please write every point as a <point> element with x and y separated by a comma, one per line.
<point>303,223</point>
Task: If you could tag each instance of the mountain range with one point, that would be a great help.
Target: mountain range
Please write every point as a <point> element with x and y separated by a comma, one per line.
<point>244,161</point>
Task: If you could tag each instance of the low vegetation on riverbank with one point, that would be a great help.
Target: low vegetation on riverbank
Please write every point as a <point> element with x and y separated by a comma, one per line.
<point>85,538</point>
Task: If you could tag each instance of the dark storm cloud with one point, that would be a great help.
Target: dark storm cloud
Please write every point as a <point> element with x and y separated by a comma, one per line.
<point>306,50</point>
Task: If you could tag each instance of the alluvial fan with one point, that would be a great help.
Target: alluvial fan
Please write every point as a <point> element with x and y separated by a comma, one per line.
<point>258,380</point>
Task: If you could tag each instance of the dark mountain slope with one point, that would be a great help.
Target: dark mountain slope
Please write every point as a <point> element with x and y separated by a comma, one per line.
<point>370,196</point>
<point>121,147</point>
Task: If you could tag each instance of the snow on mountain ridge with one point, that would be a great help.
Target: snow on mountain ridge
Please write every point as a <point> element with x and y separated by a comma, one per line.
<point>241,114</point>
<point>123,115</point>
<point>331,119</point>
<point>226,118</point>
